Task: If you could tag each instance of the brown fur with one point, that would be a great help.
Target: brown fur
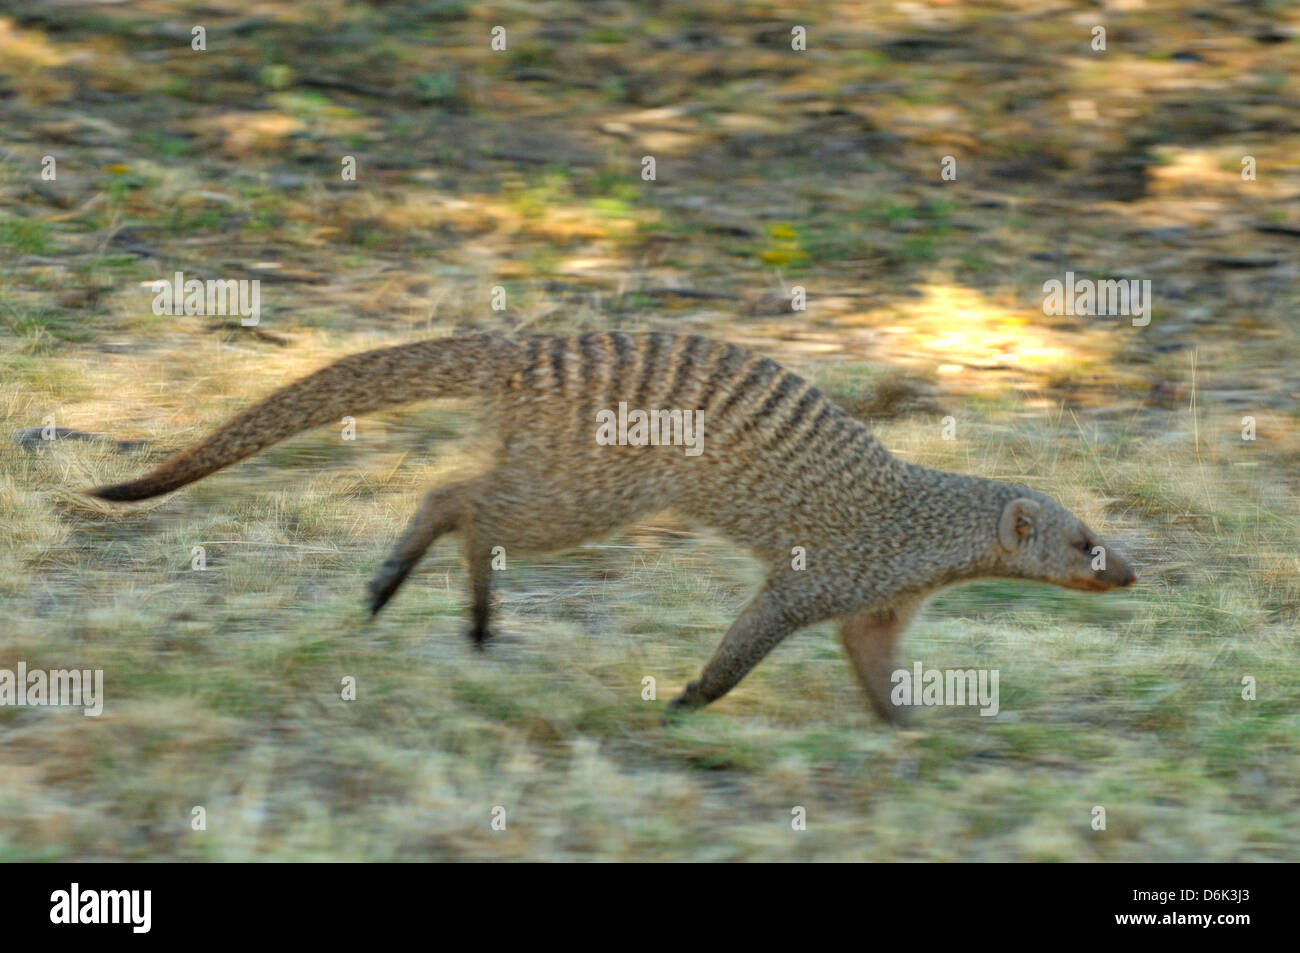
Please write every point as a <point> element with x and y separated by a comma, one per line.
<point>782,467</point>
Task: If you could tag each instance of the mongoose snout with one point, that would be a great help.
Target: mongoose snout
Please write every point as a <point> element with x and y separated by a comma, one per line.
<point>1113,578</point>
<point>1119,576</point>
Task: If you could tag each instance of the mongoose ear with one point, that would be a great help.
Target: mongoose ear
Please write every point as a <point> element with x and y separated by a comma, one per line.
<point>1017,522</point>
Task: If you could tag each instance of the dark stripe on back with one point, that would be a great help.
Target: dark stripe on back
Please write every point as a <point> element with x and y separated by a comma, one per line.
<point>763,372</point>
<point>591,385</point>
<point>558,348</point>
<point>723,370</point>
<point>623,349</point>
<point>687,362</point>
<point>806,445</point>
<point>783,391</point>
<point>654,345</point>
<point>530,362</point>
<point>589,346</point>
<point>788,426</point>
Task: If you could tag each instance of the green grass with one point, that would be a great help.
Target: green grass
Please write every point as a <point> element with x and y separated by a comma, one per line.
<point>23,237</point>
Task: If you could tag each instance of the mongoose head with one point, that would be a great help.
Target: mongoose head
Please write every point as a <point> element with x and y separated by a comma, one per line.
<point>1040,539</point>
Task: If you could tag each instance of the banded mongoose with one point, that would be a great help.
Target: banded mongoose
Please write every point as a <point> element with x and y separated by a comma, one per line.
<point>782,467</point>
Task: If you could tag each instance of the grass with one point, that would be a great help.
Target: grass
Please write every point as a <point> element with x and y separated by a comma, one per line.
<point>22,237</point>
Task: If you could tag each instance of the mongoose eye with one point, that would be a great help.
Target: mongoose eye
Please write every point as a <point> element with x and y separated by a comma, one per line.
<point>1084,546</point>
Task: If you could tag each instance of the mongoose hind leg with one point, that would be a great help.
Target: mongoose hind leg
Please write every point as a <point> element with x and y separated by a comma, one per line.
<point>769,617</point>
<point>523,509</point>
<point>442,511</point>
<point>445,509</point>
<point>479,557</point>
<point>870,637</point>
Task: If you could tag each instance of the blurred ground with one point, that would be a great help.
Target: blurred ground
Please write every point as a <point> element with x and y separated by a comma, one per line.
<point>775,168</point>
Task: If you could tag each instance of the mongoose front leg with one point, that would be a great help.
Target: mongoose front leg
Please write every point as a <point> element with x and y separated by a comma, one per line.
<point>441,512</point>
<point>870,637</point>
<point>767,619</point>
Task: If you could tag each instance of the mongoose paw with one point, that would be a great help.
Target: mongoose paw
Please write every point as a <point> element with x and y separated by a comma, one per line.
<point>479,635</point>
<point>380,589</point>
<point>687,701</point>
<point>898,717</point>
<point>374,603</point>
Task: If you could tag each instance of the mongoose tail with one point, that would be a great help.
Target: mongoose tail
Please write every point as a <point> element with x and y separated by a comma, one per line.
<point>356,384</point>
